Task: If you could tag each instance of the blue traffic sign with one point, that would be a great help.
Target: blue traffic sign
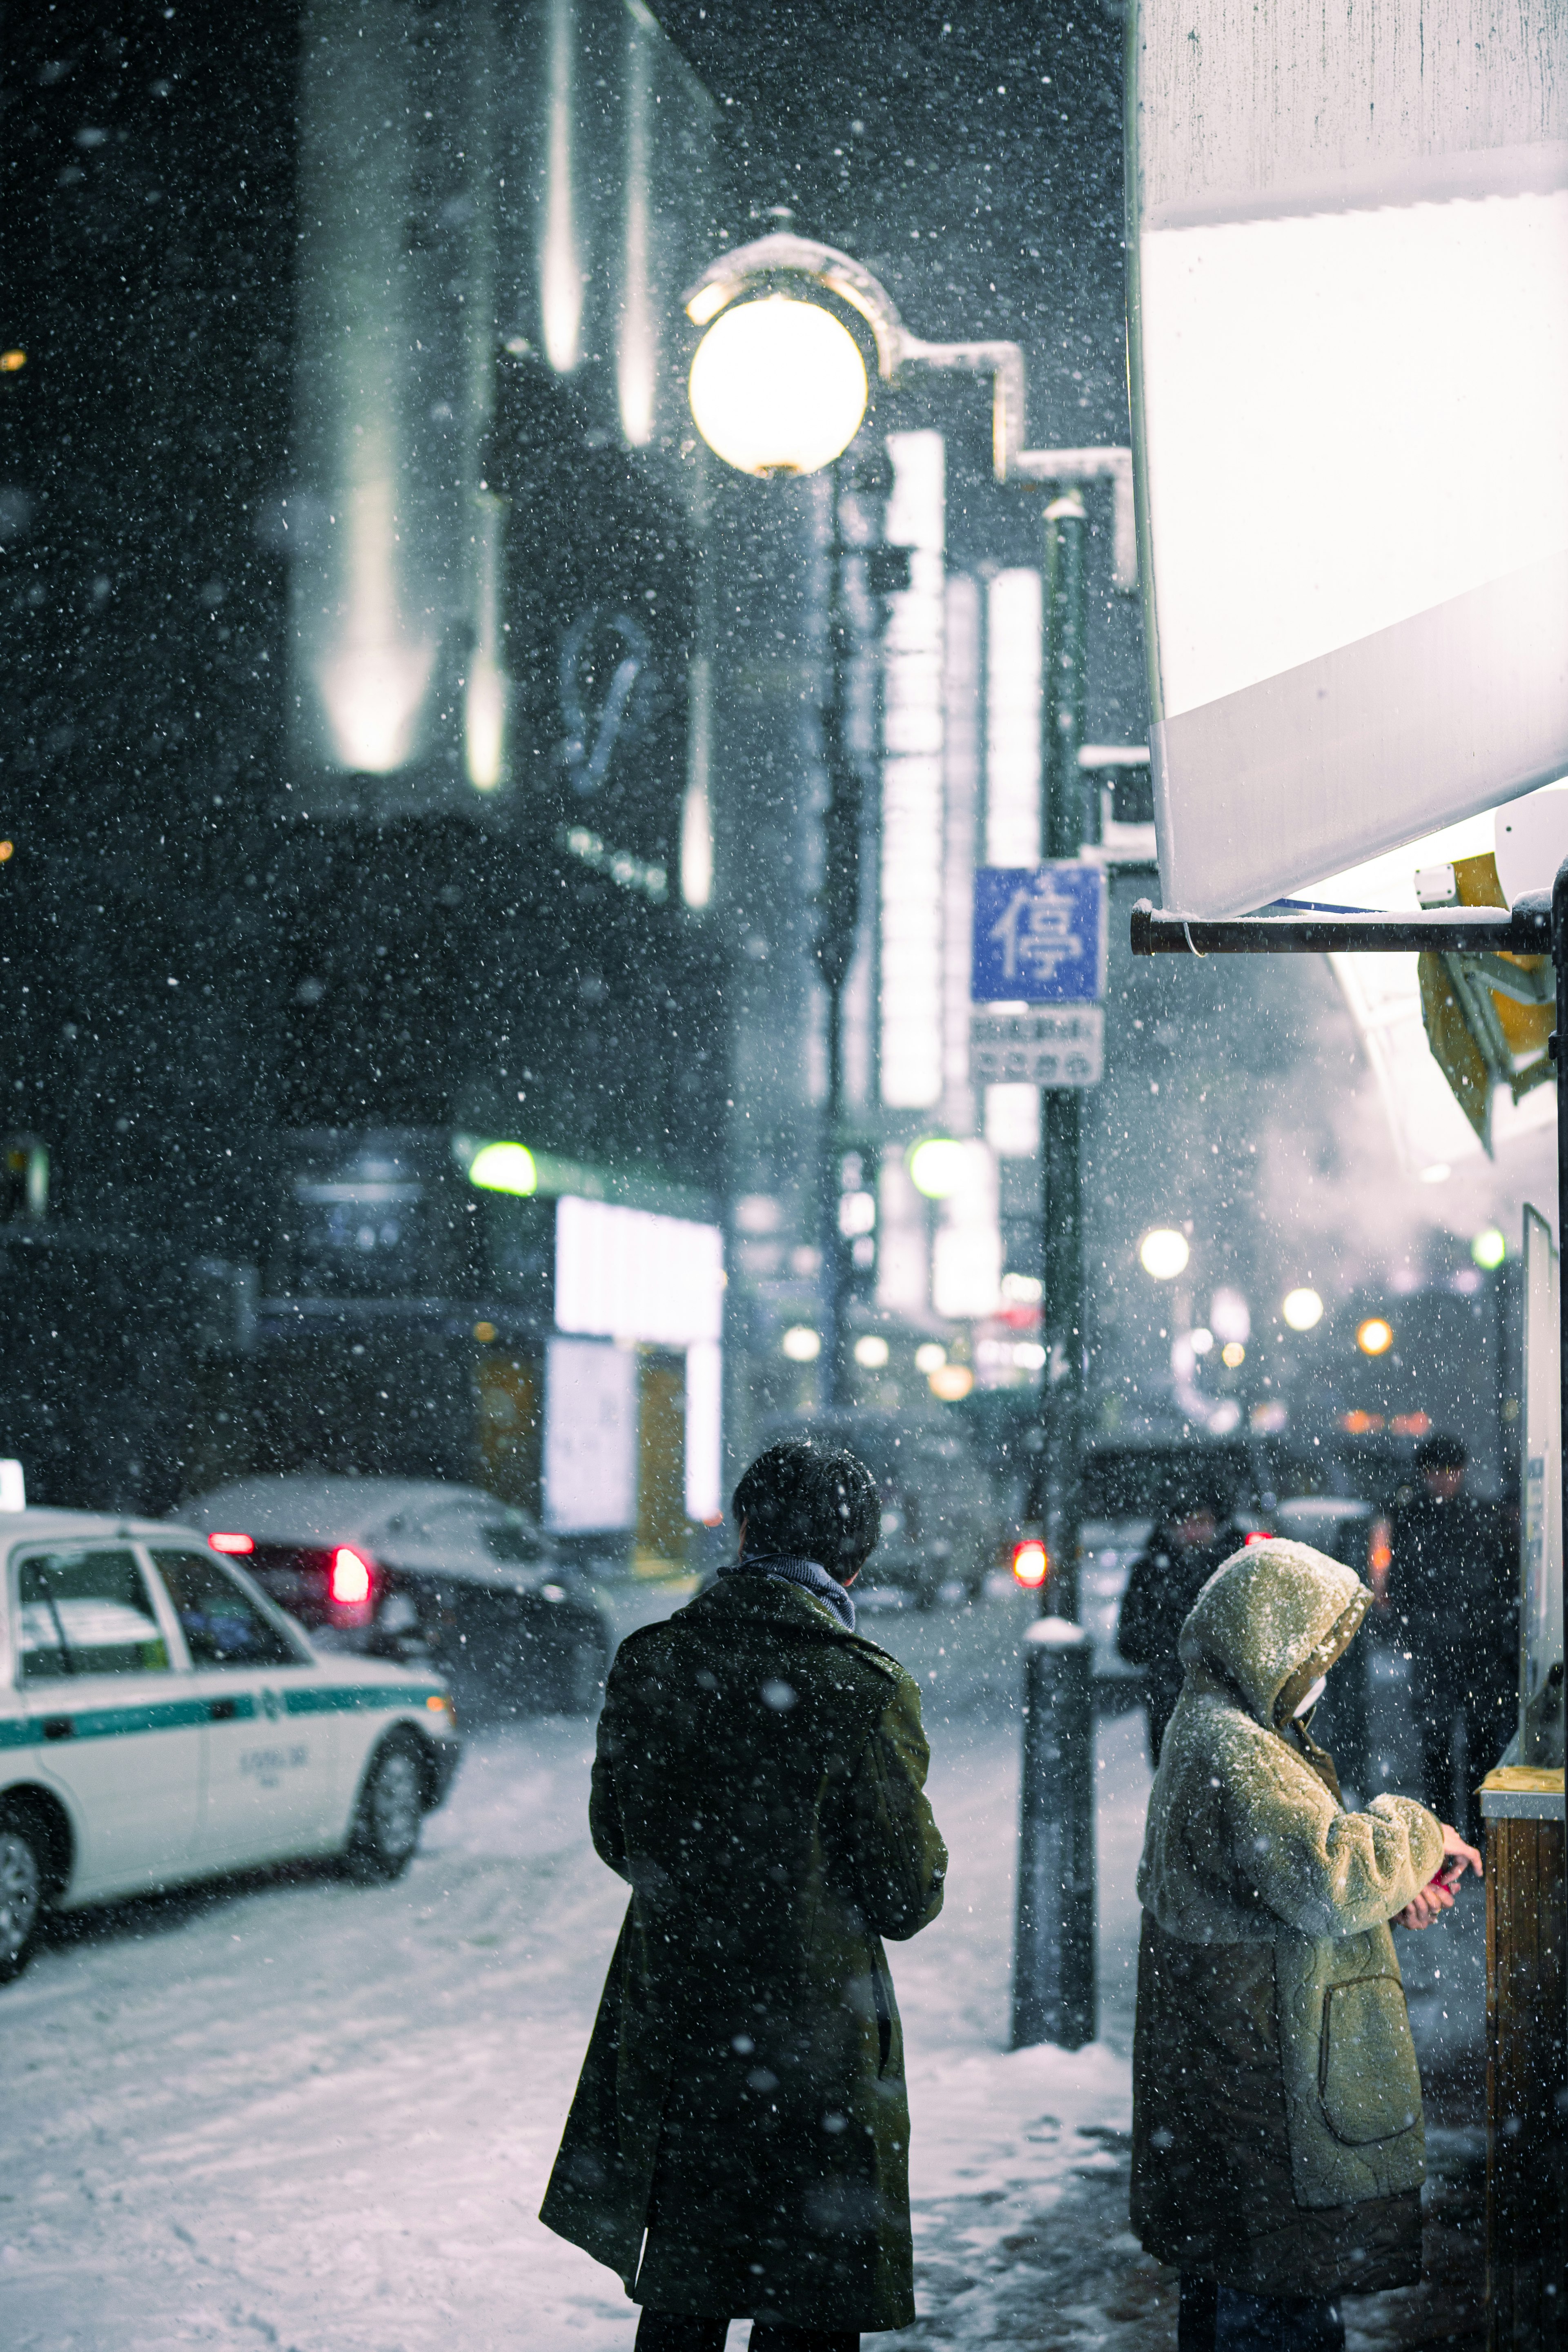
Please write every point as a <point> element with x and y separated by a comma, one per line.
<point>1039,934</point>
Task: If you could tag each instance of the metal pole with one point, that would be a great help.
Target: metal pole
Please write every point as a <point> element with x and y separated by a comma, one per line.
<point>1054,1988</point>
<point>1061,1207</point>
<point>1055,1957</point>
<point>839,903</point>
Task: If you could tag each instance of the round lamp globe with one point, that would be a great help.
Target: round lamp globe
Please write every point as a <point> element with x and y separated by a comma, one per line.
<point>778,387</point>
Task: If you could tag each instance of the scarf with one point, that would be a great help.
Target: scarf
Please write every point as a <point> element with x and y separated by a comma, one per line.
<point>806,1572</point>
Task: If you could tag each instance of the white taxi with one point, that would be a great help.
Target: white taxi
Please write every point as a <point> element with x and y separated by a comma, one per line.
<point>161,1721</point>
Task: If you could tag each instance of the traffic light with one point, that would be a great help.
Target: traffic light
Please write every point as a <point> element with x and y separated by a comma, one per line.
<point>1030,1563</point>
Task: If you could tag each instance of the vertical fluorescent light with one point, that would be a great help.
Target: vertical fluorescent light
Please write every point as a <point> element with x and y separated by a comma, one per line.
<point>373,683</point>
<point>1012,719</point>
<point>704,1431</point>
<point>560,272</point>
<point>696,815</point>
<point>637,355</point>
<point>911,875</point>
<point>485,696</point>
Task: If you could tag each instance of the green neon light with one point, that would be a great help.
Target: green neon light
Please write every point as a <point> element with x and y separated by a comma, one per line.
<point>504,1168</point>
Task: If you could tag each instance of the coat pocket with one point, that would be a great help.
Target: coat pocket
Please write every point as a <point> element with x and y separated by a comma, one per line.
<point>1367,2081</point>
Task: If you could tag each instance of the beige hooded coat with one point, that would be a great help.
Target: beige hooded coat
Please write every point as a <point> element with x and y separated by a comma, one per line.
<point>1278,2142</point>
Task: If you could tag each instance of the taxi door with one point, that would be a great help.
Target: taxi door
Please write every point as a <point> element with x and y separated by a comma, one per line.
<point>272,1764</point>
<point>118,1730</point>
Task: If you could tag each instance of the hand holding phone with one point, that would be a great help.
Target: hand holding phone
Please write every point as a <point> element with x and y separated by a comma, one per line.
<point>1437,1896</point>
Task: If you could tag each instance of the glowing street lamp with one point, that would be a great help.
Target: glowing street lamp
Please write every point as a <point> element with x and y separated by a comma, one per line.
<point>1302,1310</point>
<point>1375,1337</point>
<point>778,387</point>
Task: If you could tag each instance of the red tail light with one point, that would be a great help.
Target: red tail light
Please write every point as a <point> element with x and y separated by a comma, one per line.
<point>1258,1535</point>
<point>349,1581</point>
<point>1030,1565</point>
<point>236,1544</point>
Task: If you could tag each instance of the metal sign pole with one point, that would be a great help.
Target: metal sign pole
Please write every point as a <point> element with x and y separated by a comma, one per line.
<point>1061,1205</point>
<point>1055,1968</point>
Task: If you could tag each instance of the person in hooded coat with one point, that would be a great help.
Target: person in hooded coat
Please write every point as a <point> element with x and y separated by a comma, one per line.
<point>1276,2127</point>
<point>759,1781</point>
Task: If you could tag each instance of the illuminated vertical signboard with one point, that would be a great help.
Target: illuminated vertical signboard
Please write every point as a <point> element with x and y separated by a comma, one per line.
<point>1349,323</point>
<point>913,817</point>
<point>1013,795</point>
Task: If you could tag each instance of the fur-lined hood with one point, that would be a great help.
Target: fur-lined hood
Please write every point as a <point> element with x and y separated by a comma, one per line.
<point>1270,1620</point>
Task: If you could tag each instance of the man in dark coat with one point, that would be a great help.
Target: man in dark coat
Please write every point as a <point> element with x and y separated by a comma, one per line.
<point>1452,1592</point>
<point>1166,1579</point>
<point>759,1782</point>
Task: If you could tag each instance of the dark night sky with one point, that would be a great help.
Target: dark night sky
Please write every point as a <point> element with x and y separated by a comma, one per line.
<point>972,158</point>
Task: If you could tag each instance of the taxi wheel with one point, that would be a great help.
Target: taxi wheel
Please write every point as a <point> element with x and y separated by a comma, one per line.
<point>21,1894</point>
<point>391,1808</point>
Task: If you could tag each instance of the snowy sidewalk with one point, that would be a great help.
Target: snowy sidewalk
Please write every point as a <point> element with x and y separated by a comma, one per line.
<point>311,2116</point>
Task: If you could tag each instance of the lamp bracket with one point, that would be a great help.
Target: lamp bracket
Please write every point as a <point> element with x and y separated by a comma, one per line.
<point>783,255</point>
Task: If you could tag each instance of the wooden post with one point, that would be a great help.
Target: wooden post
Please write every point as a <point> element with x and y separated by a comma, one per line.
<point>1527,1947</point>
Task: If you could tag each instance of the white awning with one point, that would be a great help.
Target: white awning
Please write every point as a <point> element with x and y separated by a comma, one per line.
<point>1350,343</point>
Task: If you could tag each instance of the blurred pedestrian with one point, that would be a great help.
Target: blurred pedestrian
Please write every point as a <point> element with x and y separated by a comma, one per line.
<point>1166,1577</point>
<point>1277,2128</point>
<point>1453,1594</point>
<point>759,1782</point>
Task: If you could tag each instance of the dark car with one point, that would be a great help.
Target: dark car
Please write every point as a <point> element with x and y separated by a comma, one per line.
<point>405,1569</point>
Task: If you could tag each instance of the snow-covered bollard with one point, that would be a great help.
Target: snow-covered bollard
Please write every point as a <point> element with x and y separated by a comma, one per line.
<point>1054,1954</point>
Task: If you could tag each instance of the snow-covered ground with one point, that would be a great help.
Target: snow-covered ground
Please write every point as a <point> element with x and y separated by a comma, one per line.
<point>301,2114</point>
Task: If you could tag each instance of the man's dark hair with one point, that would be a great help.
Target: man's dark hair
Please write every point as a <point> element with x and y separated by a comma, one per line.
<point>1441,1452</point>
<point>814,1502</point>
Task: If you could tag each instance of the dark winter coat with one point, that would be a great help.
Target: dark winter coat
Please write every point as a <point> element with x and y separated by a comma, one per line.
<point>1277,2128</point>
<point>1166,1580</point>
<point>759,1782</point>
<point>1453,1590</point>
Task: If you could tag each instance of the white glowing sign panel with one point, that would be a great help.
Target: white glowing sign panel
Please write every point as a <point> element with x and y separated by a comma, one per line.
<point>628,1273</point>
<point>590,1438</point>
<point>1350,346</point>
<point>913,803</point>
